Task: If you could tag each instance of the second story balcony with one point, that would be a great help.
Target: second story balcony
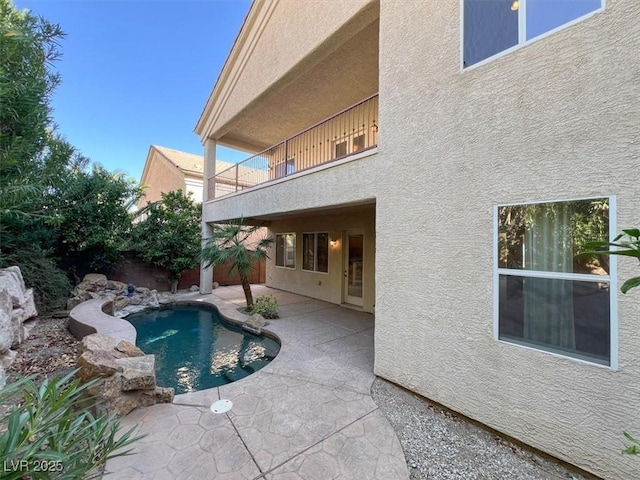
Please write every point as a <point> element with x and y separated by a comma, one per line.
<point>346,133</point>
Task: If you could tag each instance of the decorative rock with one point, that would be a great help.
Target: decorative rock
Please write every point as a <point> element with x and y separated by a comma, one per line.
<point>96,364</point>
<point>115,285</point>
<point>121,302</point>
<point>29,305</point>
<point>138,373</point>
<point>153,301</point>
<point>6,332</point>
<point>27,326</point>
<point>73,302</point>
<point>164,299</point>
<point>11,280</point>
<point>126,376</point>
<point>16,307</point>
<point>143,290</point>
<point>135,301</point>
<point>215,285</point>
<point>96,342</point>
<point>256,321</point>
<point>7,358</point>
<point>164,394</point>
<point>194,288</point>
<point>96,279</point>
<point>129,349</point>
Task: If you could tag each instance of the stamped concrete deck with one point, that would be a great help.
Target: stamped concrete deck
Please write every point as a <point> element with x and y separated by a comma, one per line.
<point>307,415</point>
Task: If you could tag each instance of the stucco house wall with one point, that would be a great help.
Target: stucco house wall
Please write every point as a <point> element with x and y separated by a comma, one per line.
<point>326,286</point>
<point>161,176</point>
<point>553,120</point>
<point>556,119</point>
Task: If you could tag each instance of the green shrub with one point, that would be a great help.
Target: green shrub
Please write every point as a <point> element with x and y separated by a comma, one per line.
<point>50,436</point>
<point>265,305</point>
<point>50,285</point>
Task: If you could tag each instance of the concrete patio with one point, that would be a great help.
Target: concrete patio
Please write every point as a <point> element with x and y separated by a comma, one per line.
<point>308,414</point>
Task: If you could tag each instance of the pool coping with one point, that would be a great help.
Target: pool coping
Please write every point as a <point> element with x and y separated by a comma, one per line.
<point>96,316</point>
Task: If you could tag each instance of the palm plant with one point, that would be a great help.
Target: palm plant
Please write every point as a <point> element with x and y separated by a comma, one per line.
<point>240,246</point>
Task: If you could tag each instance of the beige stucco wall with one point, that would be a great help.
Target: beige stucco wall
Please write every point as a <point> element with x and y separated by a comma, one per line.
<point>326,286</point>
<point>342,182</point>
<point>556,119</point>
<point>161,176</point>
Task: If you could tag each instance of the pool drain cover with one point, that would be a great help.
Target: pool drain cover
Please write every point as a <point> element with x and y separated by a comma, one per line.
<point>221,406</point>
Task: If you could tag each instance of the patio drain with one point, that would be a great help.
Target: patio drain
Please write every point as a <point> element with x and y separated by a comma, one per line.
<point>221,406</point>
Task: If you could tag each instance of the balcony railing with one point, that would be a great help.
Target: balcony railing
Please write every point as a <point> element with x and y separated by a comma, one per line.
<point>346,133</point>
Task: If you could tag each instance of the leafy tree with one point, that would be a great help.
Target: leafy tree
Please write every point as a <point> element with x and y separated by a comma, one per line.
<point>94,219</point>
<point>169,236</point>
<point>234,243</point>
<point>47,199</point>
<point>33,159</point>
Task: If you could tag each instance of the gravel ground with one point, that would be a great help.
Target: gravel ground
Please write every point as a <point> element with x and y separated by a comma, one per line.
<point>50,349</point>
<point>439,445</point>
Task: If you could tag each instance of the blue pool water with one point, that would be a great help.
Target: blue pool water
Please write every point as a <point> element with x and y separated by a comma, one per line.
<point>195,349</point>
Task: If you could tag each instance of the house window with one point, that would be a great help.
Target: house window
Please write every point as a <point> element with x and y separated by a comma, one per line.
<point>315,252</point>
<point>341,149</point>
<point>285,168</point>
<point>359,142</point>
<point>286,250</point>
<point>493,26</point>
<point>547,298</point>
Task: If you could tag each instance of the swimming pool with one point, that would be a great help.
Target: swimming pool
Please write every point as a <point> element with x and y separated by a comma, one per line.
<point>196,349</point>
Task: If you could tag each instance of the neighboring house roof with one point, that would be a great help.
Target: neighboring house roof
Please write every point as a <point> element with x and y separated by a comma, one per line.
<point>187,162</point>
<point>167,169</point>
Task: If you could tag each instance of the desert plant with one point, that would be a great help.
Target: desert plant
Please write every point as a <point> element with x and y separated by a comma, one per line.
<point>265,305</point>
<point>626,244</point>
<point>236,243</point>
<point>50,436</point>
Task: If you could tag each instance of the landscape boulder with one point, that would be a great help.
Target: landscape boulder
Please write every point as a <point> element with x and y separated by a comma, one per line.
<point>138,373</point>
<point>129,349</point>
<point>254,323</point>
<point>127,298</point>
<point>125,376</point>
<point>96,364</point>
<point>17,315</point>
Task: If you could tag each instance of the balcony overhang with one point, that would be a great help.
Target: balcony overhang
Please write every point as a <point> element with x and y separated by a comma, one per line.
<point>364,205</point>
<point>342,70</point>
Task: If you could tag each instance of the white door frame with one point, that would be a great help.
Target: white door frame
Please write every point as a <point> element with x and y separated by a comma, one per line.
<point>350,299</point>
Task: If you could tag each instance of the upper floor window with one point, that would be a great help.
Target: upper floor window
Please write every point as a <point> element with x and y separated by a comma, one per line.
<point>494,26</point>
<point>286,250</point>
<point>547,298</point>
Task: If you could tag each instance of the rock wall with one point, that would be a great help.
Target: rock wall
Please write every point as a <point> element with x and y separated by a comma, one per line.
<point>17,315</point>
<point>96,285</point>
<point>126,377</point>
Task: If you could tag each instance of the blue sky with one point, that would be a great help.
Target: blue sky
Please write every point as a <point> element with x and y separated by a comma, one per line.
<point>138,72</point>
